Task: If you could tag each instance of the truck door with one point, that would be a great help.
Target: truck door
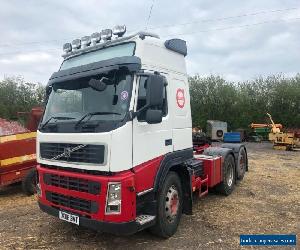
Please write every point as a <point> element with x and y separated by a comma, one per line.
<point>150,140</point>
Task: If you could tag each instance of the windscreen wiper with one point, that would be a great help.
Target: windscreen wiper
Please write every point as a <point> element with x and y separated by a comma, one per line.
<point>56,118</point>
<point>89,115</point>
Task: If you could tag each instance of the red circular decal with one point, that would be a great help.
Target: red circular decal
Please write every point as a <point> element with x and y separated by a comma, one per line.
<point>180,98</point>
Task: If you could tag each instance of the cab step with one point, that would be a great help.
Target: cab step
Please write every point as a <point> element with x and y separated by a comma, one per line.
<point>144,218</point>
<point>203,184</point>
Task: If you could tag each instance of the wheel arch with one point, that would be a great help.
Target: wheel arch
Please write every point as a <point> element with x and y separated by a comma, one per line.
<point>175,162</point>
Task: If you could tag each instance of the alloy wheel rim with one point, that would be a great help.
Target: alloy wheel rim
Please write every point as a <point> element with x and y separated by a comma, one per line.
<point>172,203</point>
<point>229,175</point>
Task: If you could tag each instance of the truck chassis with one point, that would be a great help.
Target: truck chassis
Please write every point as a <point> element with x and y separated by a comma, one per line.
<point>79,197</point>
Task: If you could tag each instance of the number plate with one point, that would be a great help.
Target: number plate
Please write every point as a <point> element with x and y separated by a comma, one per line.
<point>69,217</point>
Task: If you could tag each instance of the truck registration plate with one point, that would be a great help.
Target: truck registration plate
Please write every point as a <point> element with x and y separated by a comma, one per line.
<point>69,217</point>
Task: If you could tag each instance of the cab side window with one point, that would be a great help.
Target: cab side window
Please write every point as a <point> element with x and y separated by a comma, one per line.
<point>141,101</point>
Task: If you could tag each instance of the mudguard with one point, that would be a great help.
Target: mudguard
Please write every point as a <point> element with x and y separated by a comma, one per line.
<point>176,161</point>
<point>218,151</point>
<point>236,149</point>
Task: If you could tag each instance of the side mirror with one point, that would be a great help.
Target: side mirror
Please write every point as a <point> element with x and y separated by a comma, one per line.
<point>155,88</point>
<point>48,90</point>
<point>153,116</point>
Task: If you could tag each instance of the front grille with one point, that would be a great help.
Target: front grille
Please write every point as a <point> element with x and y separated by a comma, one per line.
<point>72,202</point>
<point>71,183</point>
<point>78,153</point>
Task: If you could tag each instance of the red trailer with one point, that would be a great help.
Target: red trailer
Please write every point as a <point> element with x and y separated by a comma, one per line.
<point>17,152</point>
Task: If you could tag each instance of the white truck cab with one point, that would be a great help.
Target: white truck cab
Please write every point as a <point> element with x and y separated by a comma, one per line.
<point>127,140</point>
<point>114,147</point>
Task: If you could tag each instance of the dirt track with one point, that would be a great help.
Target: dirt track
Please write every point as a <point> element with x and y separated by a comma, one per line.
<point>266,201</point>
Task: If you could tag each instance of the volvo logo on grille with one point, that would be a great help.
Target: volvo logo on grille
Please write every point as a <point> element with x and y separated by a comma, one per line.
<point>67,152</point>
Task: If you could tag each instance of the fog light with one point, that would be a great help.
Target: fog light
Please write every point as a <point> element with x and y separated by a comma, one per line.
<point>119,30</point>
<point>96,37</point>
<point>86,41</point>
<point>76,44</point>
<point>113,199</point>
<point>67,47</point>
<point>106,34</point>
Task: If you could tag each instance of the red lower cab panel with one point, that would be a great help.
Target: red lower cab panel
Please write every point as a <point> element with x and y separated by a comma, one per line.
<point>86,194</point>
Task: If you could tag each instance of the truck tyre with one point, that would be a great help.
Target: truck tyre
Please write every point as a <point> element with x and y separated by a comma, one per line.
<point>169,207</point>
<point>241,164</point>
<point>227,185</point>
<point>29,182</point>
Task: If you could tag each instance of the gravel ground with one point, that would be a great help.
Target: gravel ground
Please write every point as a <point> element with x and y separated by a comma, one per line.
<point>266,201</point>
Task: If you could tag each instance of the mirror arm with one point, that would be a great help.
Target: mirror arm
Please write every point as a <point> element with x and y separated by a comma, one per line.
<point>135,114</point>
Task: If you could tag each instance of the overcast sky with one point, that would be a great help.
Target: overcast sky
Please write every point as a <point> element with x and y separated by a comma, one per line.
<point>236,39</point>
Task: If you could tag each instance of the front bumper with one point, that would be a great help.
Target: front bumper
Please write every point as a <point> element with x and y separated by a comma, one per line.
<point>79,194</point>
<point>124,228</point>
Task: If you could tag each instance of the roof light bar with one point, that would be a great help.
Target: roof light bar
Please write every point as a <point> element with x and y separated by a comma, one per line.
<point>95,38</point>
<point>67,47</point>
<point>119,30</point>
<point>106,34</point>
<point>76,44</point>
<point>86,41</point>
<point>79,45</point>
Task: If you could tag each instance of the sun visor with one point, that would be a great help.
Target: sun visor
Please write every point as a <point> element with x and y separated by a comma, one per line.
<point>131,63</point>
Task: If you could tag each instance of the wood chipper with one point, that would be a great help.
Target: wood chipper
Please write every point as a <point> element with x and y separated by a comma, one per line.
<point>262,130</point>
<point>17,152</point>
<point>282,140</point>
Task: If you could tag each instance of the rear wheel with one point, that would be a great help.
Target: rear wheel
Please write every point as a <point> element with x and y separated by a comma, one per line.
<point>29,182</point>
<point>227,185</point>
<point>169,207</point>
<point>241,164</point>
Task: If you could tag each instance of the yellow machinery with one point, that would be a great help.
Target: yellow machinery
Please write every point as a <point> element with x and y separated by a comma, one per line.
<point>281,140</point>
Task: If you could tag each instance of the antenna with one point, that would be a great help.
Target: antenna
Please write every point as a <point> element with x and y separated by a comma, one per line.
<point>149,16</point>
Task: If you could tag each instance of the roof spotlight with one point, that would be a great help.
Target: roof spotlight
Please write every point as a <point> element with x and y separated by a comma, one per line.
<point>86,41</point>
<point>76,44</point>
<point>106,34</point>
<point>119,30</point>
<point>96,37</point>
<point>67,47</point>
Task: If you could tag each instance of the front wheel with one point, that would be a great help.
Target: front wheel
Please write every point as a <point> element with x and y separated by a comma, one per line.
<point>169,212</point>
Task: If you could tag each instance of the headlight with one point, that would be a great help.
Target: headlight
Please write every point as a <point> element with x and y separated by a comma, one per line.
<point>113,199</point>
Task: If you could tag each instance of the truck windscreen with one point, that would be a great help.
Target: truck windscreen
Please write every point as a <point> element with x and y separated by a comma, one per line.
<point>125,49</point>
<point>74,99</point>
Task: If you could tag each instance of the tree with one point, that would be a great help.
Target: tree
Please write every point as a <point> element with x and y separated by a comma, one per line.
<point>240,104</point>
<point>16,95</point>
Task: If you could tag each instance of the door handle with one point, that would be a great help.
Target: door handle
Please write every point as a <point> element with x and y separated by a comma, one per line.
<point>168,142</point>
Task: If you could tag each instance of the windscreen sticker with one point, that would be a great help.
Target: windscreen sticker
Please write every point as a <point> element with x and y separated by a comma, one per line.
<point>180,98</point>
<point>124,95</point>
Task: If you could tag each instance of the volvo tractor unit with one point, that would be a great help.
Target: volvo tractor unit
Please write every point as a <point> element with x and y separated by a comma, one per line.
<point>114,146</point>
